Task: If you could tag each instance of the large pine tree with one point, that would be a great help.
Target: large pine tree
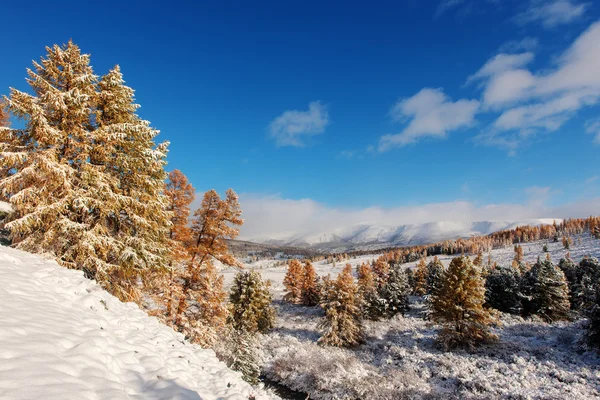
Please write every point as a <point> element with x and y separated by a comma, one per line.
<point>545,291</point>
<point>458,306</point>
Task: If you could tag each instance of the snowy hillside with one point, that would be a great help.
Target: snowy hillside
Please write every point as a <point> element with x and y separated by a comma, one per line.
<point>64,337</point>
<point>368,237</point>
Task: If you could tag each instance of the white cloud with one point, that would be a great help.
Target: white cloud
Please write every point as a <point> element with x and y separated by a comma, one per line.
<point>275,217</point>
<point>543,101</point>
<point>430,113</point>
<point>551,13</point>
<point>514,46</point>
<point>446,5</point>
<point>293,126</point>
<point>592,127</point>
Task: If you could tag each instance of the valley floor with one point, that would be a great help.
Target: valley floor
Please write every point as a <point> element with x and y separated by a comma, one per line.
<point>399,359</point>
<point>64,337</point>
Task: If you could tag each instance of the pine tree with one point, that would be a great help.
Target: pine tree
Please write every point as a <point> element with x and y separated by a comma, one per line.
<point>585,284</point>
<point>458,306</point>
<point>4,122</point>
<point>502,290</point>
<point>421,274</point>
<point>395,293</point>
<point>435,271</point>
<point>250,303</point>
<point>310,285</point>
<point>372,306</point>
<point>294,282</point>
<point>381,269</point>
<point>546,292</point>
<point>342,325</point>
<point>244,356</point>
<point>63,179</point>
<point>213,224</point>
<point>593,325</point>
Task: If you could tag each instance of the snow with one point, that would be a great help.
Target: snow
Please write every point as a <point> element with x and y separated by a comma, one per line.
<point>64,337</point>
<point>532,360</point>
<point>5,207</point>
<point>379,236</point>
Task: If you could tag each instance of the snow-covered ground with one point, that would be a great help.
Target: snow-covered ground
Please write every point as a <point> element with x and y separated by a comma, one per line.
<point>64,337</point>
<point>532,360</point>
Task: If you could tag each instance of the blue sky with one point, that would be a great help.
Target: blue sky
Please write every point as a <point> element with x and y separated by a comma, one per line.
<point>337,112</point>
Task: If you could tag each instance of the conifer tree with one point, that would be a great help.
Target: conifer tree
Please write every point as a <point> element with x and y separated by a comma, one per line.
<point>181,194</point>
<point>585,283</point>
<point>342,325</point>
<point>3,115</point>
<point>65,186</point>
<point>502,290</point>
<point>458,306</point>
<point>421,274</point>
<point>435,271</point>
<point>243,355</point>
<point>214,223</point>
<point>545,292</point>
<point>593,325</point>
<point>294,282</point>
<point>372,305</point>
<point>394,292</point>
<point>381,269</point>
<point>250,302</point>
<point>310,285</point>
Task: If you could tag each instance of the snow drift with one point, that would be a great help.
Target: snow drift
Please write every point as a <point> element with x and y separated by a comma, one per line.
<point>64,337</point>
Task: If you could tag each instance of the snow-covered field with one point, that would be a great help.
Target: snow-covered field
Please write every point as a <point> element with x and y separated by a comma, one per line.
<point>64,337</point>
<point>532,360</point>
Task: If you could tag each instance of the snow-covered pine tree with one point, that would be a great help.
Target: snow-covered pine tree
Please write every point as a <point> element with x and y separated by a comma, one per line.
<point>310,285</point>
<point>568,267</point>
<point>458,306</point>
<point>586,283</point>
<point>395,292</point>
<point>250,303</point>
<point>342,325</point>
<point>381,269</point>
<point>293,282</point>
<point>421,273</point>
<point>502,290</point>
<point>244,356</point>
<point>545,291</point>
<point>593,325</point>
<point>126,146</point>
<point>3,115</point>
<point>435,271</point>
<point>214,223</point>
<point>372,306</point>
<point>68,200</point>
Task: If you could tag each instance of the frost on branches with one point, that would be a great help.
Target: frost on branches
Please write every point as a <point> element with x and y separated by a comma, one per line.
<point>84,175</point>
<point>458,306</point>
<point>342,325</point>
<point>546,293</point>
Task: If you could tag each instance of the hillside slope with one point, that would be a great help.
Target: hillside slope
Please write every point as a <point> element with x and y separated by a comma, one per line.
<point>64,337</point>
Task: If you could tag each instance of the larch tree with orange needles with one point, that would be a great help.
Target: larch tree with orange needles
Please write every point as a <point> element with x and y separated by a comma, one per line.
<point>293,282</point>
<point>214,223</point>
<point>181,194</point>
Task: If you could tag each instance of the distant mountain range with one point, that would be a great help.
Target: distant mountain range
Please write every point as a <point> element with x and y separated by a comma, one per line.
<point>373,237</point>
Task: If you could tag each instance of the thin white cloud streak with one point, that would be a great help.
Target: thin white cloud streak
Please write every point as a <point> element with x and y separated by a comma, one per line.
<point>292,127</point>
<point>551,13</point>
<point>430,113</point>
<point>274,217</point>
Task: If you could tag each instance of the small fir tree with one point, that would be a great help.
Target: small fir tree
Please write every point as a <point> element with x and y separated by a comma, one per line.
<point>250,301</point>
<point>294,282</point>
<point>458,306</point>
<point>545,291</point>
<point>342,325</point>
<point>244,355</point>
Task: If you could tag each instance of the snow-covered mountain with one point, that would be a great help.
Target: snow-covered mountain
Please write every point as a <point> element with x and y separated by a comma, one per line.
<point>380,236</point>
